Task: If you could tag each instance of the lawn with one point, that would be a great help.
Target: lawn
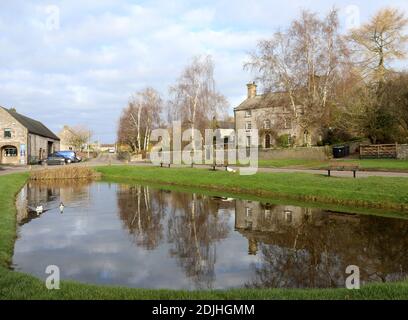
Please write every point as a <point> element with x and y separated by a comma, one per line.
<point>15,285</point>
<point>365,164</point>
<point>371,192</point>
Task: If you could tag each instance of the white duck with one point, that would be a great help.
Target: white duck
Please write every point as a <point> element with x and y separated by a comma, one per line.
<point>39,209</point>
<point>61,207</point>
<point>231,170</point>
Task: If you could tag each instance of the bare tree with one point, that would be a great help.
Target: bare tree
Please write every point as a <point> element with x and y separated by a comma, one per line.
<point>195,99</point>
<point>379,42</point>
<point>303,63</point>
<point>142,114</point>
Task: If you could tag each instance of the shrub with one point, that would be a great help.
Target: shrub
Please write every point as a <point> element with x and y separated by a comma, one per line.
<point>123,155</point>
<point>284,141</point>
<point>65,172</point>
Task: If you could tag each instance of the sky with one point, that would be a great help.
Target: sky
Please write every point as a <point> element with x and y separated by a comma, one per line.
<point>77,62</point>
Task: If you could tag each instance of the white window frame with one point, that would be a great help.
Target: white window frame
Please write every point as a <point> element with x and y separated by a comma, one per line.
<point>7,130</point>
<point>9,154</point>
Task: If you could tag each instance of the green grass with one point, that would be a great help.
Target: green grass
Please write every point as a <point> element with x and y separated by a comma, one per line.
<point>365,164</point>
<point>290,163</point>
<point>15,285</point>
<point>371,192</point>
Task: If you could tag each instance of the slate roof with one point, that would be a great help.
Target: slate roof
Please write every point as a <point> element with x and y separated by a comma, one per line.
<point>225,124</point>
<point>275,99</point>
<point>33,126</point>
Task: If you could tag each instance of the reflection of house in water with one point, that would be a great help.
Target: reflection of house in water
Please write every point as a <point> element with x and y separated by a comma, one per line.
<point>253,219</point>
<point>257,221</point>
<point>301,247</point>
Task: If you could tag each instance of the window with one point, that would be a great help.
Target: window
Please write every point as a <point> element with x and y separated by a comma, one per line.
<point>248,212</point>
<point>288,216</point>
<point>10,152</point>
<point>248,142</point>
<point>248,125</point>
<point>248,113</point>
<point>7,133</point>
<point>267,124</point>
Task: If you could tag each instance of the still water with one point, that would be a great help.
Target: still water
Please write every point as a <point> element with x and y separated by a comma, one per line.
<point>139,236</point>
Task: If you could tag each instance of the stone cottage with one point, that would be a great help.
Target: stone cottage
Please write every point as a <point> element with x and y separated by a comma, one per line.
<point>271,115</point>
<point>67,135</point>
<point>24,140</point>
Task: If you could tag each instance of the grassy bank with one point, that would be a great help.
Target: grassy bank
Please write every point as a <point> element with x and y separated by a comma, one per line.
<point>14,285</point>
<point>372,192</point>
<point>392,165</point>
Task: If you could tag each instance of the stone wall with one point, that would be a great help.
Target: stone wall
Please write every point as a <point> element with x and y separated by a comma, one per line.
<point>306,153</point>
<point>17,140</point>
<point>402,151</point>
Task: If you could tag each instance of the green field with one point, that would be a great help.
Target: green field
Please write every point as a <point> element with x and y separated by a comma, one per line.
<point>365,164</point>
<point>14,285</point>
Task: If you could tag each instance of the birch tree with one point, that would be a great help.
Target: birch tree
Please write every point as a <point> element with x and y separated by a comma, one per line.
<point>303,63</point>
<point>142,114</point>
<point>194,97</point>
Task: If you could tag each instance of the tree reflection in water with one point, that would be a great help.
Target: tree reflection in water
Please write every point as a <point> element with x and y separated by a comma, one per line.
<point>194,227</point>
<point>142,209</point>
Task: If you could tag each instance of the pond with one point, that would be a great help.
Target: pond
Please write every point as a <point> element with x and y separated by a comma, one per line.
<point>140,236</point>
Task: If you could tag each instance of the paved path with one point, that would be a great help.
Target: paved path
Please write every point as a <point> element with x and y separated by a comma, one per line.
<point>107,158</point>
<point>11,169</point>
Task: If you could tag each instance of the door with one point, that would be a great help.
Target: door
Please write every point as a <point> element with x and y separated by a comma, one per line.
<point>267,141</point>
<point>49,147</point>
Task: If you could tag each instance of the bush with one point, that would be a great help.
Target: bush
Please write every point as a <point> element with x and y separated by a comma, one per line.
<point>66,172</point>
<point>123,155</point>
<point>284,141</point>
<point>335,135</point>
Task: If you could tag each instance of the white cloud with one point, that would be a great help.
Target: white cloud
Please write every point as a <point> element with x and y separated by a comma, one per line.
<point>104,50</point>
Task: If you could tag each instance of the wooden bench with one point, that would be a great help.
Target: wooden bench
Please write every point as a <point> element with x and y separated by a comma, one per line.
<point>166,164</point>
<point>342,166</point>
<point>214,165</point>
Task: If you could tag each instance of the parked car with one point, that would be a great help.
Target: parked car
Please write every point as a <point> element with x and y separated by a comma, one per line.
<point>111,150</point>
<point>55,159</point>
<point>70,156</point>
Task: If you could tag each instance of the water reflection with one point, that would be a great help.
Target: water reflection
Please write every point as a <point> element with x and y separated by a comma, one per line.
<point>140,236</point>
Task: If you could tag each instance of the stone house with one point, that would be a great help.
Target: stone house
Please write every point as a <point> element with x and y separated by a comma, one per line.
<point>66,135</point>
<point>24,140</point>
<point>271,115</point>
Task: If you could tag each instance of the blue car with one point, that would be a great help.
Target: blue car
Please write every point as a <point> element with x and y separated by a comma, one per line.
<point>69,156</point>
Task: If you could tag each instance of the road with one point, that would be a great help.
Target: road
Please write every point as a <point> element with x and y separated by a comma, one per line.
<point>110,159</point>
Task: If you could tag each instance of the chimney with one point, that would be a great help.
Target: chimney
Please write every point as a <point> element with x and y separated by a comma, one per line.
<point>251,90</point>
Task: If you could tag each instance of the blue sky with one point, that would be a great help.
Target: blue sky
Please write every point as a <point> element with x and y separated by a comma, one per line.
<point>77,62</point>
